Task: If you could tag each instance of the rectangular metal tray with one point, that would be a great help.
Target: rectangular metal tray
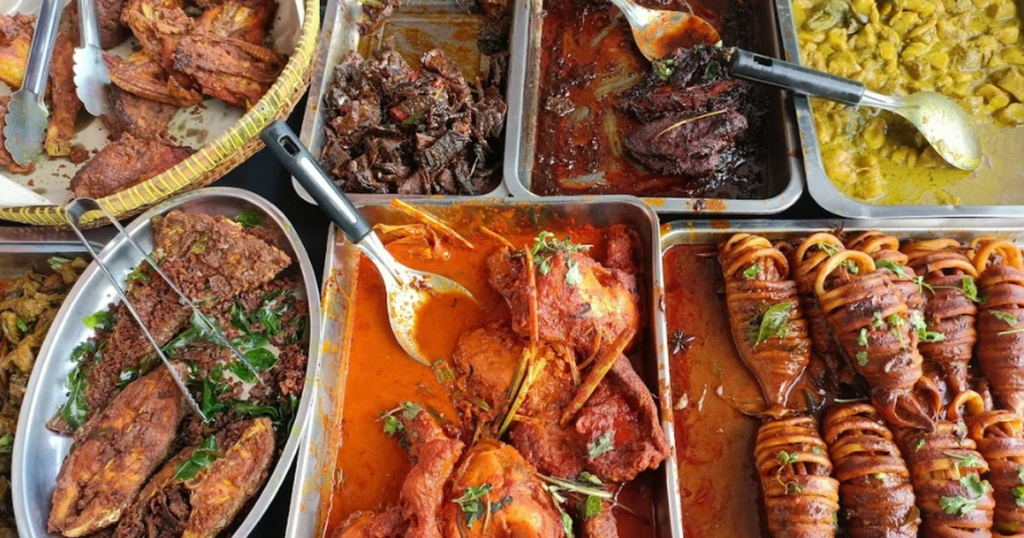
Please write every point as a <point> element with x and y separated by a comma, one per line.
<point>709,232</point>
<point>418,26</point>
<point>22,249</point>
<point>316,466</point>
<point>821,187</point>
<point>785,173</point>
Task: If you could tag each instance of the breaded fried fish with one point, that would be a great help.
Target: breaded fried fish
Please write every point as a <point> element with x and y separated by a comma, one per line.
<point>114,453</point>
<point>199,491</point>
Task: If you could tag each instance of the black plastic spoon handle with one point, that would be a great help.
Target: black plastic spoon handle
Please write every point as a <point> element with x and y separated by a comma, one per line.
<point>796,78</point>
<point>296,158</point>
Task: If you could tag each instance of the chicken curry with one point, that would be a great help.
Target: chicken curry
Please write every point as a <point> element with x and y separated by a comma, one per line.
<point>531,421</point>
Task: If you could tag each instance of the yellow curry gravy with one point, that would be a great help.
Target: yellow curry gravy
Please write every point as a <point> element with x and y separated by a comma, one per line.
<point>380,376</point>
<point>969,50</point>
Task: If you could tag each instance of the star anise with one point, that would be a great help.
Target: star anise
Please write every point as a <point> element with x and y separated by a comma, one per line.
<point>680,341</point>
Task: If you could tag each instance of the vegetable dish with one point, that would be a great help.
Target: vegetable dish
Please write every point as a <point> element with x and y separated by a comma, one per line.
<point>969,51</point>
<point>28,305</point>
<point>531,421</point>
<point>140,463</point>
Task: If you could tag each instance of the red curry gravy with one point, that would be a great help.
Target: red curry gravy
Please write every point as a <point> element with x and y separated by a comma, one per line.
<point>371,466</point>
<point>588,58</point>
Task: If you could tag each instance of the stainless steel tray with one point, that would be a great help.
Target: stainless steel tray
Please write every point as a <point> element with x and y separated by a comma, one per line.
<point>784,172</point>
<point>316,465</point>
<point>436,23</point>
<point>821,187</point>
<point>22,249</point>
<point>38,452</point>
<point>708,232</point>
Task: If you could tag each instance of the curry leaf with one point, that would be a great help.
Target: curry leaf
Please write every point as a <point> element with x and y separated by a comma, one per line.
<point>202,457</point>
<point>591,507</point>
<point>249,219</point>
<point>775,322</point>
<point>127,376</point>
<point>102,319</point>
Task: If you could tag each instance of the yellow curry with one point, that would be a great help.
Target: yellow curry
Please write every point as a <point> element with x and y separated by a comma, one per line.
<point>969,50</point>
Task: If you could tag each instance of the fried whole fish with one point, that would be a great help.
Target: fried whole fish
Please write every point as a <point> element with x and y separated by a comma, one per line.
<point>114,454</point>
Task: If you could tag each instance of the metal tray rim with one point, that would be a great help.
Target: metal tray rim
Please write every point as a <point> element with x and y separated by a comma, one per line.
<point>818,183</point>
<point>333,29</point>
<point>306,494</point>
<point>516,131</point>
<point>280,469</point>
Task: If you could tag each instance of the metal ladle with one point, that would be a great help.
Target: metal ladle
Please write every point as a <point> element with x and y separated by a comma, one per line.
<point>945,125</point>
<point>408,290</point>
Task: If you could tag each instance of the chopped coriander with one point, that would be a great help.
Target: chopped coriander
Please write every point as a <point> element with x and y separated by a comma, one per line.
<point>862,358</point>
<point>1018,495</point>
<point>249,219</point>
<point>896,268</point>
<point>202,457</point>
<point>137,274</point>
<point>7,444</point>
<point>816,450</point>
<point>922,286</point>
<point>22,326</point>
<point>961,506</point>
<point>974,485</point>
<point>827,248</point>
<point>1020,473</point>
<point>751,272</point>
<point>1006,317</point>
<point>600,446</point>
<point>392,425</point>
<point>102,320</point>
<point>919,445</point>
<point>961,460</point>
<point>851,266</point>
<point>566,523</point>
<point>442,371</point>
<point>546,245</point>
<point>895,324</point>
<point>862,338</point>
<point>573,277</point>
<point>919,326</point>
<point>471,503</point>
<point>878,321</point>
<point>775,322</point>
<point>970,289</point>
<point>785,458</point>
<point>589,508</point>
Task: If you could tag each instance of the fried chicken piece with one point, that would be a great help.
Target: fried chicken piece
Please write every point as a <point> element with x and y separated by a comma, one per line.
<point>424,487</point>
<point>246,21</point>
<point>516,502</point>
<point>140,117</point>
<point>595,305</point>
<point>108,16</point>
<point>158,25</point>
<point>15,42</point>
<point>203,506</point>
<point>63,96</point>
<point>6,160</point>
<point>125,163</point>
<point>143,76</point>
<point>114,454</point>
<point>234,71</point>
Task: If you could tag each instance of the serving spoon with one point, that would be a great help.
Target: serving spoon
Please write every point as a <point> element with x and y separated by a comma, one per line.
<point>408,290</point>
<point>945,125</point>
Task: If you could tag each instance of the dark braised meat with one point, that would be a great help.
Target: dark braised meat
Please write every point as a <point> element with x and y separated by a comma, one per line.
<point>137,116</point>
<point>6,160</point>
<point>125,163</point>
<point>114,455</point>
<point>1001,353</point>
<point>234,71</point>
<point>396,130</point>
<point>15,42</point>
<point>801,499</point>
<point>697,121</point>
<point>765,316</point>
<point>374,13</point>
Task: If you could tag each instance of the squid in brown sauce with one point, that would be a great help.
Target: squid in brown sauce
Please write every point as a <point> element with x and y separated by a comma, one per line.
<point>801,498</point>
<point>1000,347</point>
<point>999,436</point>
<point>874,483</point>
<point>949,312</point>
<point>871,321</point>
<point>765,315</point>
<point>947,472</point>
<point>804,261</point>
<point>885,250</point>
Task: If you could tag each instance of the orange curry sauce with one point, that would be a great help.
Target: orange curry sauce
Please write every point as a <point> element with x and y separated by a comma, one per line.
<point>371,466</point>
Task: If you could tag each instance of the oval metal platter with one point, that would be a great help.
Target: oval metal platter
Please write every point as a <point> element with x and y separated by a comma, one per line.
<point>39,452</point>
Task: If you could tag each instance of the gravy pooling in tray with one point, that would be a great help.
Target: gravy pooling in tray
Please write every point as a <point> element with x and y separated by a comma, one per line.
<point>394,408</point>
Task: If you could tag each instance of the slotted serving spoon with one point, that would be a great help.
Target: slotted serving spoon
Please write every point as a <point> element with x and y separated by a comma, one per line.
<point>945,125</point>
<point>408,290</point>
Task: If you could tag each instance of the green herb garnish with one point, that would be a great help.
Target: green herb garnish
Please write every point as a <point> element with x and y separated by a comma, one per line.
<point>785,458</point>
<point>896,268</point>
<point>919,445</point>
<point>960,460</point>
<point>57,263</point>
<point>127,376</point>
<point>961,506</point>
<point>600,446</point>
<point>202,457</point>
<point>137,274</point>
<point>1006,317</point>
<point>249,219</point>
<point>546,245</point>
<point>7,444</point>
<point>591,507</point>
<point>471,503</point>
<point>102,320</point>
<point>751,272</point>
<point>862,358</point>
<point>862,338</point>
<point>442,372</point>
<point>775,322</point>
<point>22,326</point>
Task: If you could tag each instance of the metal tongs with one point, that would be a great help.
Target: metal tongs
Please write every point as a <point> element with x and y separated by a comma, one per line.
<point>91,76</point>
<point>27,113</point>
<point>73,213</point>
